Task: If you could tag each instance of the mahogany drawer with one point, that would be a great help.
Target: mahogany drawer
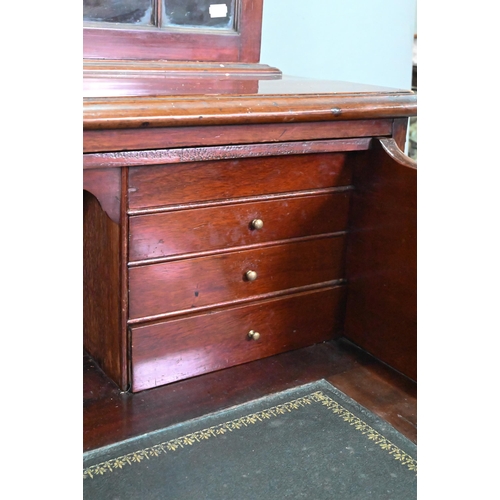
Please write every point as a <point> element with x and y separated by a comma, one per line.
<point>205,229</point>
<point>181,348</point>
<point>163,185</point>
<point>187,284</point>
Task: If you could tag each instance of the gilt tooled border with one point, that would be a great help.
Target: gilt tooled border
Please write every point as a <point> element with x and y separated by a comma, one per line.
<point>239,423</point>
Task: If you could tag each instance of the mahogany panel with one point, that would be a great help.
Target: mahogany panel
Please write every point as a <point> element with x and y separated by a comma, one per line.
<point>381,262</point>
<point>201,181</point>
<point>175,137</point>
<point>182,348</point>
<point>188,284</point>
<point>159,235</point>
<point>105,43</point>
<point>102,286</point>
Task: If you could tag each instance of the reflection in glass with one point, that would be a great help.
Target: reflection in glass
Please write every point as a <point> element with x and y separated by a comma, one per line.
<point>137,12</point>
<point>199,13</point>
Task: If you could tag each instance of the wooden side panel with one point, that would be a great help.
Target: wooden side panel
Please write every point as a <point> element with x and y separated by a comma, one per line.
<point>211,180</point>
<point>381,266</point>
<point>186,285</point>
<point>102,286</point>
<point>182,348</point>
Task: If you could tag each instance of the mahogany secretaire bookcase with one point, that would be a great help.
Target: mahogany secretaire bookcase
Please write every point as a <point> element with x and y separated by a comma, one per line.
<point>230,212</point>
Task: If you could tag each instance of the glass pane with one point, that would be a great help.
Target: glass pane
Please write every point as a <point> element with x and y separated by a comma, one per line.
<point>118,11</point>
<point>199,13</point>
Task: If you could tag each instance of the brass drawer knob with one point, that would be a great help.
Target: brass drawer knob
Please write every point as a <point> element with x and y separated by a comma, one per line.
<point>251,275</point>
<point>254,335</point>
<point>257,224</point>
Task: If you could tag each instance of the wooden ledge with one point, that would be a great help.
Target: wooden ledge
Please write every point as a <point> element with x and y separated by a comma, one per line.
<point>99,68</point>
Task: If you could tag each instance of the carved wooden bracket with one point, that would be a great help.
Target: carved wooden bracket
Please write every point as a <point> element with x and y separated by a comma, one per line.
<point>391,147</point>
<point>105,185</point>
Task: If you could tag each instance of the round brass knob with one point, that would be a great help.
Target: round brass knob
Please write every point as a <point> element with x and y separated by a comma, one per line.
<point>254,335</point>
<point>251,275</point>
<point>257,224</point>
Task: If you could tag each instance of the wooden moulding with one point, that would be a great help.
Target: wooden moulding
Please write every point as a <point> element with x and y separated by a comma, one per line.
<point>184,155</point>
<point>170,111</point>
<point>143,78</point>
<point>119,69</point>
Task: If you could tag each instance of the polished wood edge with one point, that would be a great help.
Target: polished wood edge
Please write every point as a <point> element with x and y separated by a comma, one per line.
<point>391,147</point>
<point>185,155</point>
<point>125,359</point>
<point>168,111</point>
<point>119,68</point>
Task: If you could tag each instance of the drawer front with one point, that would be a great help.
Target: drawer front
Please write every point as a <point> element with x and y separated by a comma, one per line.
<point>187,284</point>
<point>215,180</point>
<point>201,343</point>
<point>204,229</point>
